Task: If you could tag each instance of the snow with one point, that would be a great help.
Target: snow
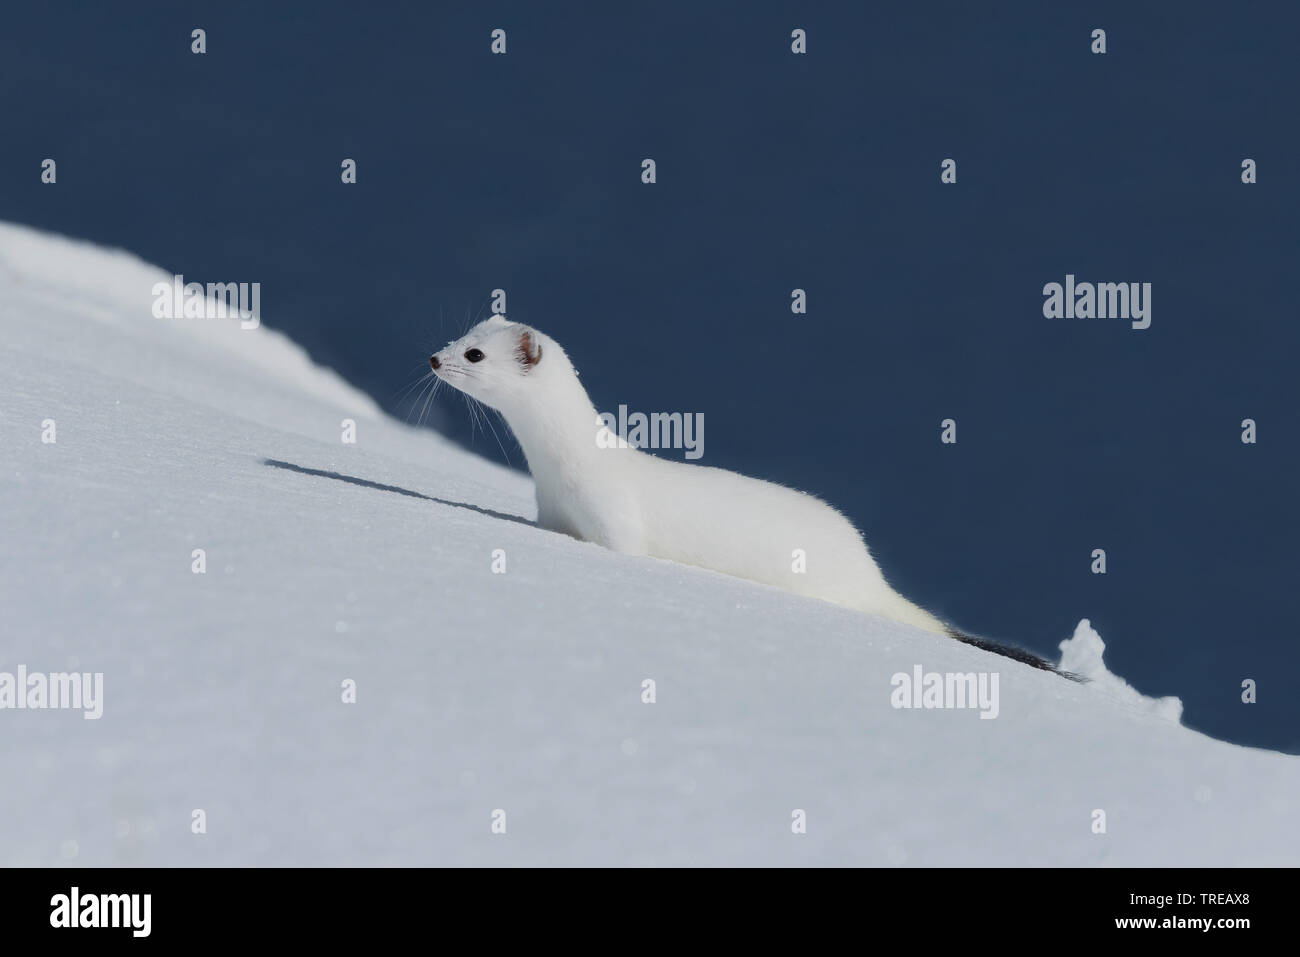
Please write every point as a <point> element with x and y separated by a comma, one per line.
<point>1081,654</point>
<point>478,691</point>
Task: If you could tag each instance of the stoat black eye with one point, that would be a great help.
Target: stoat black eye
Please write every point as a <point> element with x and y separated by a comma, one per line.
<point>474,355</point>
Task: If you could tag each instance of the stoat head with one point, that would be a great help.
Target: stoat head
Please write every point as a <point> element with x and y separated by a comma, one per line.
<point>498,362</point>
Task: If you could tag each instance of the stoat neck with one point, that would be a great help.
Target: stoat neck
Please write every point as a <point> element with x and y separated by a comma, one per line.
<point>557,431</point>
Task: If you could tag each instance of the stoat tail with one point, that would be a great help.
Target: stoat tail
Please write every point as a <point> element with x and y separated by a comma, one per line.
<point>900,609</point>
<point>1011,651</point>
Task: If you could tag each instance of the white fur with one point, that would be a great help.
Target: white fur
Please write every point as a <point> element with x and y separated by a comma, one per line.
<point>640,504</point>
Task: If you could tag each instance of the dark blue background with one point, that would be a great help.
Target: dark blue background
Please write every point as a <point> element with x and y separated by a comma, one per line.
<point>778,171</point>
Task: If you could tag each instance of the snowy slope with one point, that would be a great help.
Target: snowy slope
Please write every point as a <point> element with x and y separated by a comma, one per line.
<point>479,691</point>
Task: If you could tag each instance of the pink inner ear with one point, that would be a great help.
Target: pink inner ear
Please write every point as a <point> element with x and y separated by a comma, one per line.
<point>530,352</point>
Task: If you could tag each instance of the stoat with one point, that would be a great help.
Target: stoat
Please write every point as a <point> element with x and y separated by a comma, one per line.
<point>595,487</point>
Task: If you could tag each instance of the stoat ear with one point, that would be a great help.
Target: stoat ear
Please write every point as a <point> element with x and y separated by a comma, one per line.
<point>530,350</point>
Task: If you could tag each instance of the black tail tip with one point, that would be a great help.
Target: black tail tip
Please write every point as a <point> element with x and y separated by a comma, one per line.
<point>1017,654</point>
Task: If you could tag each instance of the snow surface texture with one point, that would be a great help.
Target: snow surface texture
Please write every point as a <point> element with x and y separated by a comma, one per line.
<point>478,691</point>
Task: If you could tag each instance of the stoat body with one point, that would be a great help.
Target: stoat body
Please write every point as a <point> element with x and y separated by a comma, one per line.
<point>595,488</point>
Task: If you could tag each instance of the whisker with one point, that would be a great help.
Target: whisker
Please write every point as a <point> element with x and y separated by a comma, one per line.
<point>471,418</point>
<point>429,401</point>
<point>509,432</point>
<point>416,403</point>
<point>487,418</point>
<point>407,389</point>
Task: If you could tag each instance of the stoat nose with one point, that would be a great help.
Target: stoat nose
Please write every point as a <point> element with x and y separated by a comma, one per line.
<point>433,361</point>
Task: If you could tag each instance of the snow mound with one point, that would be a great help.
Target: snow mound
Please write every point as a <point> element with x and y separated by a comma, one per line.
<point>115,288</point>
<point>1082,654</point>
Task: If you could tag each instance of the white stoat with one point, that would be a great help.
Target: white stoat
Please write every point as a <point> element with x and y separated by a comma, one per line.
<point>595,488</point>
